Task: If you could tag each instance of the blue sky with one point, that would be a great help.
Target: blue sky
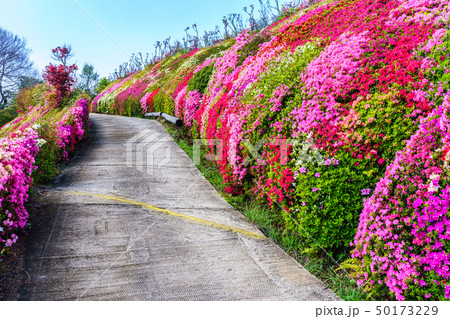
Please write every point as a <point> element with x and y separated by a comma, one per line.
<point>135,24</point>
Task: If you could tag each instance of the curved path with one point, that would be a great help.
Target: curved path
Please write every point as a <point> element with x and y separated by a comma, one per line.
<point>132,218</point>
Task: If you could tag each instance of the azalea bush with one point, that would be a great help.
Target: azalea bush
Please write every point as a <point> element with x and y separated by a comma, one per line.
<point>17,154</point>
<point>403,233</point>
<point>403,236</point>
<point>31,147</point>
<point>311,114</point>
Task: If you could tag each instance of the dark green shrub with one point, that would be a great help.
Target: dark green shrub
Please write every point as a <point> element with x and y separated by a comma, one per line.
<point>47,158</point>
<point>102,84</point>
<point>46,165</point>
<point>200,79</point>
<point>8,114</point>
<point>163,103</point>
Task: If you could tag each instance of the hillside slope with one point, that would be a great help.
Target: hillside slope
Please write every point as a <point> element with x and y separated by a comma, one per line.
<point>347,103</point>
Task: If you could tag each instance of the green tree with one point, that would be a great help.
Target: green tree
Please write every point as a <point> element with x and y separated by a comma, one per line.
<point>88,79</point>
<point>29,81</point>
<point>102,84</point>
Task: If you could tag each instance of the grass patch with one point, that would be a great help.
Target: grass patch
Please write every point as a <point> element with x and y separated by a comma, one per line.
<point>271,223</point>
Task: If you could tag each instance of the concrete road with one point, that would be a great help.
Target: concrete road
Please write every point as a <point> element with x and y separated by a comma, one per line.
<point>132,218</point>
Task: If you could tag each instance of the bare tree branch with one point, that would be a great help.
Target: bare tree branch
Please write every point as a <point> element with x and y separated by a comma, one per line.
<point>14,64</point>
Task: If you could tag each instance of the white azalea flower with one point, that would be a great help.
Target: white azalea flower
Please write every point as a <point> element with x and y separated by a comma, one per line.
<point>434,177</point>
<point>41,142</point>
<point>432,188</point>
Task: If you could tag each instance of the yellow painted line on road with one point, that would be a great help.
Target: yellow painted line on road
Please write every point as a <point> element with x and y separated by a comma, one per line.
<point>170,213</point>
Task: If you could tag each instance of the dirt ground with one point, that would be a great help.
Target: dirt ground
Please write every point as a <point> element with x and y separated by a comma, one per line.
<point>12,271</point>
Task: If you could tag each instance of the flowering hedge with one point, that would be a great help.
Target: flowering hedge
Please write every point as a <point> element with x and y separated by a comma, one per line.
<point>17,153</point>
<point>312,112</point>
<point>403,235</point>
<point>30,148</point>
<point>404,231</point>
